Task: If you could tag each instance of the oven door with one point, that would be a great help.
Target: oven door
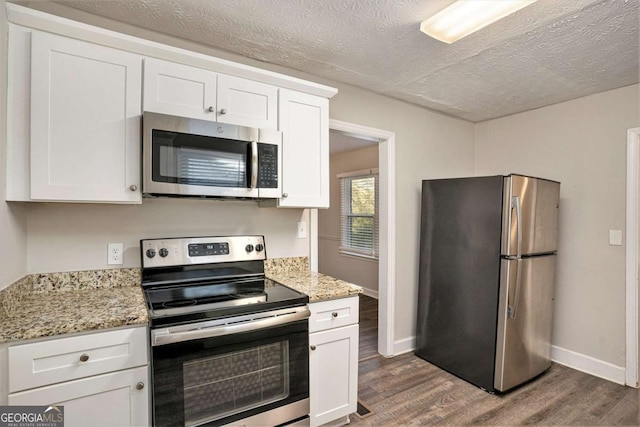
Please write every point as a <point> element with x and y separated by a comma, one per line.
<point>261,374</point>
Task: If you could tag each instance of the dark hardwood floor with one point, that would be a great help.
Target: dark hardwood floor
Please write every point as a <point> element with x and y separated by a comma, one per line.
<point>406,390</point>
<point>368,328</point>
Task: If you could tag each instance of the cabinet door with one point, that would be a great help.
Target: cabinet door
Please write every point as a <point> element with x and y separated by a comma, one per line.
<point>304,122</point>
<point>247,103</point>
<point>109,400</point>
<point>85,121</point>
<point>333,374</point>
<point>179,90</point>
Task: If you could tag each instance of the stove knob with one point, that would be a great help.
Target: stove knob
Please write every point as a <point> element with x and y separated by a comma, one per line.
<point>151,253</point>
<point>249,248</point>
<point>163,252</point>
<point>259,247</point>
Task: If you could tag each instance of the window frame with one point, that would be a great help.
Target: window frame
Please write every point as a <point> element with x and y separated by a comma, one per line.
<point>346,215</point>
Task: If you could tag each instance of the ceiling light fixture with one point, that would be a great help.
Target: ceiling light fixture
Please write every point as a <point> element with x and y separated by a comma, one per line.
<point>464,17</point>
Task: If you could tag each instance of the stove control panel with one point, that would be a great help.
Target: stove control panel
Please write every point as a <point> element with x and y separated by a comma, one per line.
<point>201,250</point>
<point>208,249</point>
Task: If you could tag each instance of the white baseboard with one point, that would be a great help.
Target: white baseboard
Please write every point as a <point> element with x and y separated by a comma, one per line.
<point>590,365</point>
<point>370,292</point>
<point>404,346</point>
<point>580,362</point>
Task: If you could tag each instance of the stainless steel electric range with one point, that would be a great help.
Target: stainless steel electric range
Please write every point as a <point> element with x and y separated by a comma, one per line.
<point>229,346</point>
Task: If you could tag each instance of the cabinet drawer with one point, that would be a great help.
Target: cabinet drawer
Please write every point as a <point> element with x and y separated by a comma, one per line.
<point>333,314</point>
<point>49,362</point>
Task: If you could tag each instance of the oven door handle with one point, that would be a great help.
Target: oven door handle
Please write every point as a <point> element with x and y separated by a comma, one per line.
<point>168,336</point>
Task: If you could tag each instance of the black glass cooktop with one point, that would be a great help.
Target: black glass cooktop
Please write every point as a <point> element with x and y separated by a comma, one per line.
<point>186,303</point>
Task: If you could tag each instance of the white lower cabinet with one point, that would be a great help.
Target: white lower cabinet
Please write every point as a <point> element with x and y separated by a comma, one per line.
<point>333,361</point>
<point>101,379</point>
<point>117,399</point>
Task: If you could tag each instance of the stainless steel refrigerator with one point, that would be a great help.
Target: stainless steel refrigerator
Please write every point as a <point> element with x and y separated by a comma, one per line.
<point>488,250</point>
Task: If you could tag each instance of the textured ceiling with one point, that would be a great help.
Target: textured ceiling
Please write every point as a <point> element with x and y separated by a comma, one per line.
<point>551,51</point>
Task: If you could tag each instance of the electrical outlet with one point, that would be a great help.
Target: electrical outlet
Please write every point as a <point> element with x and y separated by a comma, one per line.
<point>115,253</point>
<point>302,230</point>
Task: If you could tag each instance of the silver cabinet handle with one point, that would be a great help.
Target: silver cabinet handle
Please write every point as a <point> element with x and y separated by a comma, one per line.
<point>84,357</point>
<point>211,109</point>
<point>313,347</point>
<point>223,111</point>
<point>285,195</point>
<point>133,187</point>
<point>140,385</point>
<point>334,314</point>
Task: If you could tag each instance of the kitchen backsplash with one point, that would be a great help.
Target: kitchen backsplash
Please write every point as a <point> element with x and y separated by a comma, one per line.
<point>285,265</point>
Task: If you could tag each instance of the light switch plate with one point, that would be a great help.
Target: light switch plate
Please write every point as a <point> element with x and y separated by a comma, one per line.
<point>615,237</point>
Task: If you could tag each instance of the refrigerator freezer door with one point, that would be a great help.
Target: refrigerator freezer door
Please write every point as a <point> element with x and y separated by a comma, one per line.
<point>530,216</point>
<point>524,333</point>
<point>460,275</point>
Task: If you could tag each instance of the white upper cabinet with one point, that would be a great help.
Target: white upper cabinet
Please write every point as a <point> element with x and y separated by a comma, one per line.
<point>85,121</point>
<point>186,91</point>
<point>247,103</point>
<point>179,90</point>
<point>304,122</point>
<point>75,101</point>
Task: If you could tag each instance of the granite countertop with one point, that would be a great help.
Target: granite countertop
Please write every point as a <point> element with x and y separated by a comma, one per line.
<point>43,305</point>
<point>295,273</point>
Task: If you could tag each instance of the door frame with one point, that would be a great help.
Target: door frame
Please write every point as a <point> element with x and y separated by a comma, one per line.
<point>387,220</point>
<point>632,362</point>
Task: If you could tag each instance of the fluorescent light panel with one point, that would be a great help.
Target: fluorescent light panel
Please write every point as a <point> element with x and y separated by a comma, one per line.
<point>464,17</point>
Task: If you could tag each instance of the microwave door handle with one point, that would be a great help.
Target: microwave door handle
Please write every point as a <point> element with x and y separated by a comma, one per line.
<point>254,164</point>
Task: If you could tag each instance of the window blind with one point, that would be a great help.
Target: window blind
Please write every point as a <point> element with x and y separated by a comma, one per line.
<point>359,213</point>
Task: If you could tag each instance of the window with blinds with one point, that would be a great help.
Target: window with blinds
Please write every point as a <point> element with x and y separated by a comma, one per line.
<point>359,213</point>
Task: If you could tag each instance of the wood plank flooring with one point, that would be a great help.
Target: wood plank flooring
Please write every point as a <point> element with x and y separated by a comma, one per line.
<point>406,390</point>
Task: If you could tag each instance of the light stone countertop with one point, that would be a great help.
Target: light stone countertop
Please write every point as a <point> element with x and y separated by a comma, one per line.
<point>318,286</point>
<point>45,305</point>
<point>294,273</point>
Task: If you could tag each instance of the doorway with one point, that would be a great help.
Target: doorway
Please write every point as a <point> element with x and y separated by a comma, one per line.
<point>385,141</point>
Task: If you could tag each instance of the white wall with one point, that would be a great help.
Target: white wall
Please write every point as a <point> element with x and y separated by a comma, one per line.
<point>582,144</point>
<point>67,237</point>
<point>13,237</point>
<point>428,145</point>
<point>361,271</point>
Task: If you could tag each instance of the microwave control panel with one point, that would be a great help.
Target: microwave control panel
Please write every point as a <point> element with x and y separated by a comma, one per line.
<point>267,166</point>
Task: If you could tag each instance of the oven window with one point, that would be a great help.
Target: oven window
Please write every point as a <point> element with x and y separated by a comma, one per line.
<point>199,160</point>
<point>219,386</point>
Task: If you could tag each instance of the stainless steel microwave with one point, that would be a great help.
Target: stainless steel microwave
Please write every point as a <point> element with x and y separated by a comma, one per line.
<point>198,158</point>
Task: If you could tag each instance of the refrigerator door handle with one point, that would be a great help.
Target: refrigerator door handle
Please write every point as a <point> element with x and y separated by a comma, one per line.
<point>515,204</point>
<point>513,308</point>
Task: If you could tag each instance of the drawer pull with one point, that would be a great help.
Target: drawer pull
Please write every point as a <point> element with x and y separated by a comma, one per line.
<point>334,314</point>
<point>140,385</point>
<point>313,347</point>
<point>84,357</point>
